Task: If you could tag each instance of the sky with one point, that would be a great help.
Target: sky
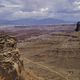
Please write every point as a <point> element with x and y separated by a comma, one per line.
<point>68,10</point>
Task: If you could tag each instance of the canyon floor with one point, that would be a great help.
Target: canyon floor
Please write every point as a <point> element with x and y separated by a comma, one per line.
<point>54,58</point>
<point>50,54</point>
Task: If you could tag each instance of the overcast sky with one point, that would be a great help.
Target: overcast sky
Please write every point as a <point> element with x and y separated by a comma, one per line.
<point>39,9</point>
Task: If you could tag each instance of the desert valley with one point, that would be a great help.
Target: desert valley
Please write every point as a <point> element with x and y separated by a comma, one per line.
<point>48,52</point>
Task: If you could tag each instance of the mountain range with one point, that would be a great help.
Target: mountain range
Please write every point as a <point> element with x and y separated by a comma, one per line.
<point>45,21</point>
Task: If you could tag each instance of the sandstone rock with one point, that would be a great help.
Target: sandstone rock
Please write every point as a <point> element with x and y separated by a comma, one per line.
<point>78,26</point>
<point>11,65</point>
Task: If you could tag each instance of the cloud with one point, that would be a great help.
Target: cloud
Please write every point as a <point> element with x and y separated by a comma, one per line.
<point>39,9</point>
<point>42,9</point>
<point>2,6</point>
<point>78,3</point>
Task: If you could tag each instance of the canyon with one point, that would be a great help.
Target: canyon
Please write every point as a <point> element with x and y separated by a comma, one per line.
<point>48,52</point>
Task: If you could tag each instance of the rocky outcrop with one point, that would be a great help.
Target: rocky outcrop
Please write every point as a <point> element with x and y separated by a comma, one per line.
<point>11,65</point>
<point>78,26</point>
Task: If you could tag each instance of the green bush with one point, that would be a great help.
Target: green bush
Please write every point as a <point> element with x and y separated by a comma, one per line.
<point>5,39</point>
<point>1,40</point>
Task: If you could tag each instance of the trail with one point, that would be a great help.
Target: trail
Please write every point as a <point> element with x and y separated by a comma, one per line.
<point>66,78</point>
<point>69,74</point>
<point>46,68</point>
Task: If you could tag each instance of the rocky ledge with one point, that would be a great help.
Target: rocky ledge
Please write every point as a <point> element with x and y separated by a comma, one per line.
<point>11,65</point>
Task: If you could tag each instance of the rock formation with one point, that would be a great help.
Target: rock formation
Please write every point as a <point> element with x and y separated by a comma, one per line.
<point>11,65</point>
<point>78,26</point>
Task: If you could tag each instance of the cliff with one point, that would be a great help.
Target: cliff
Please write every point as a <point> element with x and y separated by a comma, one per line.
<point>78,26</point>
<point>11,64</point>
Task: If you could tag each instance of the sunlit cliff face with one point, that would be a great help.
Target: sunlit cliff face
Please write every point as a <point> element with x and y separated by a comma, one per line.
<point>11,65</point>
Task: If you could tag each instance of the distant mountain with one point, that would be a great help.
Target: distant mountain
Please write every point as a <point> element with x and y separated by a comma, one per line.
<point>33,22</point>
